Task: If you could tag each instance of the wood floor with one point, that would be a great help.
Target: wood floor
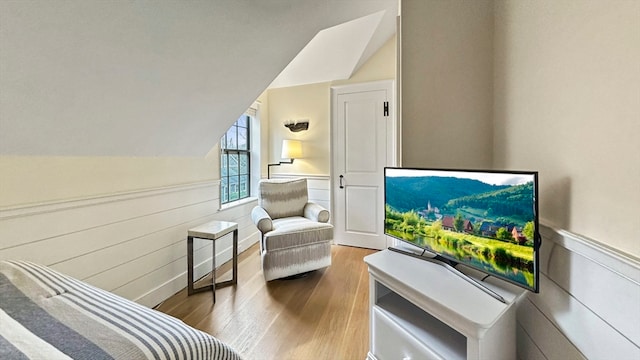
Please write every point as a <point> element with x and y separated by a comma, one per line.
<point>321,316</point>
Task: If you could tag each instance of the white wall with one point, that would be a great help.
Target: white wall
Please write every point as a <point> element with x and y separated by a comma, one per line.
<point>446,86</point>
<point>567,103</point>
<point>553,86</point>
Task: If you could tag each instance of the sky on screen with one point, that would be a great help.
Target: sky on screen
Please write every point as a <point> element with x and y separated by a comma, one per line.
<point>485,177</point>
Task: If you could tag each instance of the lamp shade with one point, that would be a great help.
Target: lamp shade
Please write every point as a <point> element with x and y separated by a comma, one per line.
<point>291,149</point>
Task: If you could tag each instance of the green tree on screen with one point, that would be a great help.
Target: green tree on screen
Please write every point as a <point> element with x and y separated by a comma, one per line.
<point>458,222</point>
<point>528,229</point>
<point>503,234</point>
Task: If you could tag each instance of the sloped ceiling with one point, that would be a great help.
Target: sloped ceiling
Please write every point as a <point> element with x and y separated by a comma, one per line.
<point>333,54</point>
<point>160,78</point>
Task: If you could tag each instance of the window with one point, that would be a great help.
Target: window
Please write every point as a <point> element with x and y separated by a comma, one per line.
<point>235,163</point>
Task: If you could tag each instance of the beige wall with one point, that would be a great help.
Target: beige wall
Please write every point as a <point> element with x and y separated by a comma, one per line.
<point>296,103</point>
<point>567,102</point>
<point>552,86</point>
<point>30,179</point>
<point>381,66</point>
<point>446,84</point>
<point>313,102</point>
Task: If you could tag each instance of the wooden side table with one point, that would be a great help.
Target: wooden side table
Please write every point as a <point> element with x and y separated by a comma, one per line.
<point>213,230</point>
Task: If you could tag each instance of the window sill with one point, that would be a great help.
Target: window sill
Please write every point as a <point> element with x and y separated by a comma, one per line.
<point>233,204</point>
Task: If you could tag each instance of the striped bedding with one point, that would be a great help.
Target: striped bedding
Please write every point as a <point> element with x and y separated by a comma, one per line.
<point>47,315</point>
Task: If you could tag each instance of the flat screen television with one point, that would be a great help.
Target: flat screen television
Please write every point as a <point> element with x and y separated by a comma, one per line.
<point>487,219</point>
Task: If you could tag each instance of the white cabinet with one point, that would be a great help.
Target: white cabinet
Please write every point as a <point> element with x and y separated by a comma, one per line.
<point>421,310</point>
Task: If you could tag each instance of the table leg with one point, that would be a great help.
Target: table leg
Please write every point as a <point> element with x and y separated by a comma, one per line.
<point>234,256</point>
<point>213,272</point>
<point>189,265</point>
<point>234,259</point>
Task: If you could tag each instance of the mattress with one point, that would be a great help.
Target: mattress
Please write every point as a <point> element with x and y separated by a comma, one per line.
<point>47,315</point>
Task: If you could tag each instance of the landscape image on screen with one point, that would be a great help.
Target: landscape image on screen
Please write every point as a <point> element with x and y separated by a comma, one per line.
<point>483,219</point>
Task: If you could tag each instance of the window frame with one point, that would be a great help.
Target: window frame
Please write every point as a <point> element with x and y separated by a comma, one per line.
<point>226,195</point>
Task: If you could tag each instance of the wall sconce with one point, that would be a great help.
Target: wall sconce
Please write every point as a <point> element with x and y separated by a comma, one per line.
<point>300,125</point>
<point>291,149</point>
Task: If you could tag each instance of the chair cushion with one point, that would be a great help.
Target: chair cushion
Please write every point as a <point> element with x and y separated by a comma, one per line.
<point>283,198</point>
<point>296,231</point>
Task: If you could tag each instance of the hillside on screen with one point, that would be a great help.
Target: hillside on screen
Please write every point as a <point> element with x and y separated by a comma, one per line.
<point>473,199</point>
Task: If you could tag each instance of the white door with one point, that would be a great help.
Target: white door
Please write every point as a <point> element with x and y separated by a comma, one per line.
<point>363,143</point>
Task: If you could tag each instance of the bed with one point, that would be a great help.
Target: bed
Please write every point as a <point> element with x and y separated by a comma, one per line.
<point>45,314</point>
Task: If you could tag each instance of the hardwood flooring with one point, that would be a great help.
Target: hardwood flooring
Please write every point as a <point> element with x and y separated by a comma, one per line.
<point>322,316</point>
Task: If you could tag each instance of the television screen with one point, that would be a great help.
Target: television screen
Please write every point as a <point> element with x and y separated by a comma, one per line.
<point>486,219</point>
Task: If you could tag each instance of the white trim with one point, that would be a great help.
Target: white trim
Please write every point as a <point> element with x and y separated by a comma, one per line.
<point>313,177</point>
<point>398,98</point>
<point>52,206</point>
<point>392,137</point>
<point>235,203</point>
<point>621,263</point>
<point>364,86</point>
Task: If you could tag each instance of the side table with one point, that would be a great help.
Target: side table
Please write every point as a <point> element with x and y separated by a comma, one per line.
<point>213,230</point>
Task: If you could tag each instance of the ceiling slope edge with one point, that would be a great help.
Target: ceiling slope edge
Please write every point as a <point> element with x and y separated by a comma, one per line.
<point>333,54</point>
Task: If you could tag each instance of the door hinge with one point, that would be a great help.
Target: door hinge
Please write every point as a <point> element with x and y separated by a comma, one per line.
<point>385,112</point>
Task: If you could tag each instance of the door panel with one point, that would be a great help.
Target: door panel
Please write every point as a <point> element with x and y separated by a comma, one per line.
<point>363,144</point>
<point>359,111</point>
<point>363,220</point>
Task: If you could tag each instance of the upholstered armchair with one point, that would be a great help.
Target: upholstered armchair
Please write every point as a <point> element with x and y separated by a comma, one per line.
<point>296,234</point>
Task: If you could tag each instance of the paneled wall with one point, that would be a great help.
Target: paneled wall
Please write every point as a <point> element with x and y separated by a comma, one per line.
<point>133,244</point>
<point>588,305</point>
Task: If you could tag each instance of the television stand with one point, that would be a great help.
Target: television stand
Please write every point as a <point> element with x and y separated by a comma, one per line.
<point>421,310</point>
<point>444,262</point>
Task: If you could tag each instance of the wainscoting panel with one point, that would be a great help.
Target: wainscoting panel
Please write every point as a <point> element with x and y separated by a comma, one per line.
<point>588,305</point>
<point>95,249</point>
<point>534,328</point>
<point>94,212</point>
<point>132,244</point>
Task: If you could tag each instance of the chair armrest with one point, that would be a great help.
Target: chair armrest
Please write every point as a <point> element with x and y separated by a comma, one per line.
<point>315,212</point>
<point>262,219</point>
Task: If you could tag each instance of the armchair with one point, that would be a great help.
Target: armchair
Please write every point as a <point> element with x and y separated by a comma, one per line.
<point>296,235</point>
